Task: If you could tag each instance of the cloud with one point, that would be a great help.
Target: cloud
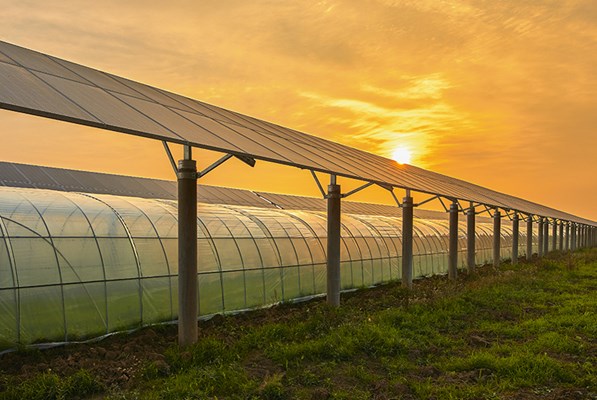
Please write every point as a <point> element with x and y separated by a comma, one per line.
<point>474,87</point>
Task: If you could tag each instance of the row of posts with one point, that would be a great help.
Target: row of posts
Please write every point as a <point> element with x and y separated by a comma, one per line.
<point>564,236</point>
<point>576,236</point>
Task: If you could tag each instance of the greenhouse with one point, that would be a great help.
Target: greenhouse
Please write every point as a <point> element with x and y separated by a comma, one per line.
<point>77,261</point>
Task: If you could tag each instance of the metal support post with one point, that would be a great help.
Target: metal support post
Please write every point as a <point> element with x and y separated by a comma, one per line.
<point>470,238</point>
<point>567,240</point>
<point>333,267</point>
<point>187,249</point>
<point>515,226</point>
<point>530,237</point>
<point>540,237</point>
<point>573,237</point>
<point>561,236</point>
<point>546,237</point>
<point>453,242</point>
<point>407,241</point>
<point>497,222</point>
<point>554,235</point>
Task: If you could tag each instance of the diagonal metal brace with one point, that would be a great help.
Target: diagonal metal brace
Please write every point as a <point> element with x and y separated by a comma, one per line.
<point>442,202</point>
<point>426,201</point>
<point>318,184</point>
<point>170,157</point>
<point>247,160</point>
<point>391,190</point>
<point>365,186</point>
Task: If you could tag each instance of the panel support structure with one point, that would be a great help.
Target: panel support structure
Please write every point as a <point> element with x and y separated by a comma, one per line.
<point>470,238</point>
<point>497,226</point>
<point>540,237</point>
<point>334,199</point>
<point>530,237</point>
<point>453,242</point>
<point>573,237</point>
<point>561,236</point>
<point>407,241</point>
<point>187,249</point>
<point>515,233</point>
<point>567,240</point>
<point>546,236</point>
<point>554,236</point>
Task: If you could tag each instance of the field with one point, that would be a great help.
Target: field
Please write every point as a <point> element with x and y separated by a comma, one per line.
<point>527,332</point>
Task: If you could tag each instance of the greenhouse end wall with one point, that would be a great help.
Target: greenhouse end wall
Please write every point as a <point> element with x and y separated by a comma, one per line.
<point>77,265</point>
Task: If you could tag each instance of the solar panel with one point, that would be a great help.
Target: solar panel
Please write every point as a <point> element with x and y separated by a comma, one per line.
<point>43,85</point>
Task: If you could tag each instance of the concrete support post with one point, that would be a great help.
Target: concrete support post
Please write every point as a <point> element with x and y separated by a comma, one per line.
<point>515,233</point>
<point>530,237</point>
<point>407,241</point>
<point>573,237</point>
<point>567,239</point>
<point>540,237</point>
<point>554,235</point>
<point>546,237</point>
<point>453,242</point>
<point>470,239</point>
<point>187,249</point>
<point>497,236</point>
<point>333,266</point>
<point>561,236</point>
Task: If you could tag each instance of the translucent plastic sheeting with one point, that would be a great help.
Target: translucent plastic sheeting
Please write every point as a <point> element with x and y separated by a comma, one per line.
<point>47,86</point>
<point>76,265</point>
<point>24,175</point>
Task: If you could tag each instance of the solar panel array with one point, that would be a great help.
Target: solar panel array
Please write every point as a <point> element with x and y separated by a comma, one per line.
<point>43,85</point>
<point>66,180</point>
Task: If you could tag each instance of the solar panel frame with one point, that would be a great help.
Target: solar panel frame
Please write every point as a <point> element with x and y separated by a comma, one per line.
<point>44,85</point>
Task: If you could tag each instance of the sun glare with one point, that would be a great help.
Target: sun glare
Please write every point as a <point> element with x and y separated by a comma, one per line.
<point>401,155</point>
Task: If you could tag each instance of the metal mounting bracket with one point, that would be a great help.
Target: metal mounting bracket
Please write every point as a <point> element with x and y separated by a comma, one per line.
<point>250,161</point>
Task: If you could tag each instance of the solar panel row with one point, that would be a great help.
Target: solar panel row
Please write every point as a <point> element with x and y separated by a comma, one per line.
<point>43,85</point>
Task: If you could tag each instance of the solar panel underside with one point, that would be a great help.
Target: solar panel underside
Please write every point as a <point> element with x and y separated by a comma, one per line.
<point>39,84</point>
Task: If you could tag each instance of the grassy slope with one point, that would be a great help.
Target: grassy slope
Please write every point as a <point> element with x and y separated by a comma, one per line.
<point>528,331</point>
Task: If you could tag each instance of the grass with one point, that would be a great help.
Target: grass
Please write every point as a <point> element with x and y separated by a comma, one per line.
<point>526,331</point>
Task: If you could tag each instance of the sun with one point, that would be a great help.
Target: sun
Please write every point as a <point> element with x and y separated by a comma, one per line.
<point>402,155</point>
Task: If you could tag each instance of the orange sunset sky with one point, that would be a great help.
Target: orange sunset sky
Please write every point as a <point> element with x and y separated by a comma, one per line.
<point>499,93</point>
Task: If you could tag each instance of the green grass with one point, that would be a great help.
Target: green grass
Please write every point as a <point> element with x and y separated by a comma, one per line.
<point>50,386</point>
<point>521,331</point>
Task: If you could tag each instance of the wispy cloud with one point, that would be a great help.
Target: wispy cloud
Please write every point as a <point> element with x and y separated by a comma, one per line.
<point>383,128</point>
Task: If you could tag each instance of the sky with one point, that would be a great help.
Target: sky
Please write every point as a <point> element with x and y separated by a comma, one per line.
<point>499,93</point>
